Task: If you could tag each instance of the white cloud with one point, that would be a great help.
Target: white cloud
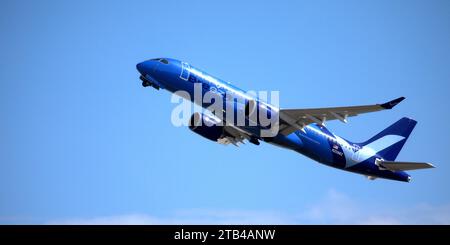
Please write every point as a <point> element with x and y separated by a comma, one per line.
<point>128,219</point>
<point>193,216</point>
<point>337,208</point>
<point>334,208</point>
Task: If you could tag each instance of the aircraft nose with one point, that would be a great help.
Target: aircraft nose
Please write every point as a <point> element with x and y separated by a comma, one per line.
<point>140,67</point>
<point>146,67</point>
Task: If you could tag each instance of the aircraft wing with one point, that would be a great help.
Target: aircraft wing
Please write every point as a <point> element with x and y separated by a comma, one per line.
<point>400,166</point>
<point>295,119</point>
<point>233,135</point>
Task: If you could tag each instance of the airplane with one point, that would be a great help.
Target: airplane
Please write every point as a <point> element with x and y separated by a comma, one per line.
<point>300,130</point>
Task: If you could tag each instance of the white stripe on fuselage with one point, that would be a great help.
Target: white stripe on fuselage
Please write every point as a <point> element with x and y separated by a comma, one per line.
<point>354,157</point>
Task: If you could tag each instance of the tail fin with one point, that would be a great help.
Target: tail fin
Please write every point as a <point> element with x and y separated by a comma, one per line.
<point>390,141</point>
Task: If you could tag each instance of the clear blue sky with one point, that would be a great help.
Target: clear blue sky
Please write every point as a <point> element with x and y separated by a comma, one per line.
<point>82,142</point>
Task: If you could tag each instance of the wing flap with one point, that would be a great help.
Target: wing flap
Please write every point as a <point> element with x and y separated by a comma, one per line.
<point>234,136</point>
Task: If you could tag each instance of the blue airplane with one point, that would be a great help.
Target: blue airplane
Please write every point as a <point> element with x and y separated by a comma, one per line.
<point>300,130</point>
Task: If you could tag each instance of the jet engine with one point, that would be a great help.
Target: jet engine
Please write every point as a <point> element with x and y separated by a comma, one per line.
<point>206,126</point>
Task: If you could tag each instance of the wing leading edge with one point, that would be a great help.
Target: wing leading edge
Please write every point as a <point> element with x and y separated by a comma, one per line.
<point>294,119</point>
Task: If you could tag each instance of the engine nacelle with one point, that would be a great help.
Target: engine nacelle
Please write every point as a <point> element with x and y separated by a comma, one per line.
<point>206,126</point>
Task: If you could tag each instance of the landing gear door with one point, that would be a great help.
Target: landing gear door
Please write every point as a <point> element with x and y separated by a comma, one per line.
<point>185,71</point>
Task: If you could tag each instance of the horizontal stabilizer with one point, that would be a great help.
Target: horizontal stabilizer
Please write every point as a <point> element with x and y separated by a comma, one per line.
<point>401,166</point>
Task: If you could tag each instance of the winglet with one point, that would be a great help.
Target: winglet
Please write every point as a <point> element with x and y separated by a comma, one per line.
<point>392,103</point>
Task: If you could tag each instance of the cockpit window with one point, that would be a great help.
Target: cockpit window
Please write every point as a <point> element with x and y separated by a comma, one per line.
<point>164,61</point>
